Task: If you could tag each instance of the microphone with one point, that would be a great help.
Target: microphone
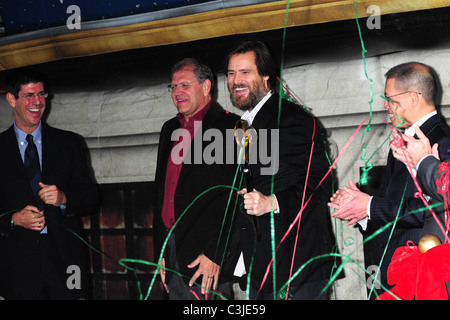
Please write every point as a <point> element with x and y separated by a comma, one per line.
<point>249,185</point>
<point>248,179</point>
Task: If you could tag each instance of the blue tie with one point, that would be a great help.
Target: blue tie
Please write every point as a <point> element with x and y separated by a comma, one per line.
<point>33,169</point>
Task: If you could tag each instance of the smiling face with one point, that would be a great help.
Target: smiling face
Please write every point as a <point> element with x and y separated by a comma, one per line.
<point>28,107</point>
<point>246,86</point>
<point>192,99</point>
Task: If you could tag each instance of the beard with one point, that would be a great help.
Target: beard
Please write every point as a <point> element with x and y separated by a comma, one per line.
<point>256,93</point>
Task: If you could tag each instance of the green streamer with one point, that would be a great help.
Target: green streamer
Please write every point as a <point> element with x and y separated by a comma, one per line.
<point>123,262</point>
<point>332,279</point>
<point>348,257</point>
<point>175,224</point>
<point>390,237</point>
<point>367,166</point>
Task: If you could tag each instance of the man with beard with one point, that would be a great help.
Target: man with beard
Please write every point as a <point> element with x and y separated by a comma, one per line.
<point>290,194</point>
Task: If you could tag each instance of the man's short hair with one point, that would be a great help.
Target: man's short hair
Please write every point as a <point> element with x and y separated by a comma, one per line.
<point>201,71</point>
<point>17,78</point>
<point>264,60</point>
<point>415,76</point>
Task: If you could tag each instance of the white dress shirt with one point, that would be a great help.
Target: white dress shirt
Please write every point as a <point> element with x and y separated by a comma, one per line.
<point>249,116</point>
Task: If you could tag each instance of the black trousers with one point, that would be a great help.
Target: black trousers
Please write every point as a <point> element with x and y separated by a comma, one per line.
<point>308,291</point>
<point>39,278</point>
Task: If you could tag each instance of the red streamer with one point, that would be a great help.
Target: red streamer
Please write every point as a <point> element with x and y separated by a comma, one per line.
<point>299,215</point>
<point>442,187</point>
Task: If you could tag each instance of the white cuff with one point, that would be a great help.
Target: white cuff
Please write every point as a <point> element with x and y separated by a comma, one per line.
<point>363,222</point>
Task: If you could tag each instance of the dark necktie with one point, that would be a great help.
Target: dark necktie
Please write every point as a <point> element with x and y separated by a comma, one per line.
<point>33,168</point>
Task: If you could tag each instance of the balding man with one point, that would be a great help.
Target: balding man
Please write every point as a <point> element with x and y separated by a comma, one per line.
<point>410,93</point>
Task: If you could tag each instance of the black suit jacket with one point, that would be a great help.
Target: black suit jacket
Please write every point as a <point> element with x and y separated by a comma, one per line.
<point>427,176</point>
<point>296,176</point>
<point>396,197</point>
<point>64,165</point>
<point>200,228</point>
<point>429,167</point>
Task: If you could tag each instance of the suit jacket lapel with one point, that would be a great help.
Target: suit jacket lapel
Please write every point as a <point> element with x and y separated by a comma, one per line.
<point>49,160</point>
<point>15,163</point>
<point>207,123</point>
<point>166,144</point>
<point>428,126</point>
<point>267,113</point>
<point>211,116</point>
<point>13,150</point>
<point>394,166</point>
<point>46,149</point>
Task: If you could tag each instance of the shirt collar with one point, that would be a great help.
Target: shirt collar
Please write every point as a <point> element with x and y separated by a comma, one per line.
<point>249,115</point>
<point>199,116</point>
<point>21,135</point>
<point>411,131</point>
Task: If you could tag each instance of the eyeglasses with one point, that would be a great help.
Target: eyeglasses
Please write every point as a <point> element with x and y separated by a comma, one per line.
<point>30,96</point>
<point>388,98</point>
<point>182,86</point>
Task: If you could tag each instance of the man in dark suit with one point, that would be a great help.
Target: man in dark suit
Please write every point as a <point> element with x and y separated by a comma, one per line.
<point>41,257</point>
<point>424,162</point>
<point>193,208</point>
<point>288,189</point>
<point>410,93</point>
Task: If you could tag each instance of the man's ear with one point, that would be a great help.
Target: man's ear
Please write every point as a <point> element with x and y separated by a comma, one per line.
<point>266,82</point>
<point>414,98</point>
<point>11,99</point>
<point>206,87</point>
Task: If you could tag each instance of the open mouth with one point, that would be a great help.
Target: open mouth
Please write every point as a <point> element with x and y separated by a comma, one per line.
<point>240,90</point>
<point>182,103</point>
<point>35,111</point>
